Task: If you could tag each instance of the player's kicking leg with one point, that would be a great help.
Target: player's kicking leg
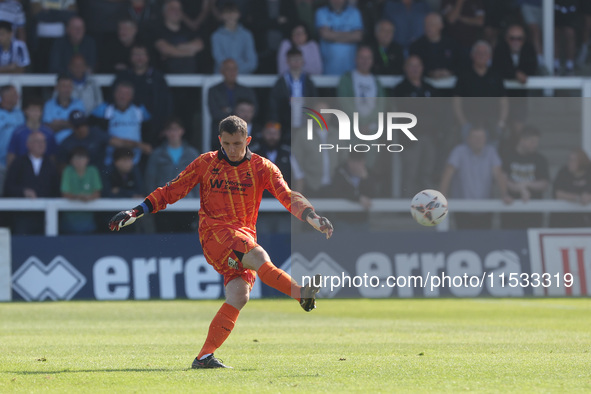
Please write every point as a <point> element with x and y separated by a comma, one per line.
<point>237,295</point>
<point>258,260</point>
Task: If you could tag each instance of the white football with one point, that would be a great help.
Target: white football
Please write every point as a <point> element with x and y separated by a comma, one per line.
<point>429,207</point>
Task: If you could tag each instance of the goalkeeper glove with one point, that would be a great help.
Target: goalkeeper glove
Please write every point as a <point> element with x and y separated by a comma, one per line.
<point>320,223</point>
<point>125,218</point>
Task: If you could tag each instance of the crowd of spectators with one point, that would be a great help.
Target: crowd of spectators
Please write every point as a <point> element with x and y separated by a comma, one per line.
<point>123,141</point>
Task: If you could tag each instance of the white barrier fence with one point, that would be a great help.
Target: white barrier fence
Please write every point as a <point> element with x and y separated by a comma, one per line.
<point>205,82</point>
<point>52,207</point>
<point>5,265</point>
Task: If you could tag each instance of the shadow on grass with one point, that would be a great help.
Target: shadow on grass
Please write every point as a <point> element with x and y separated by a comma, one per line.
<point>49,372</point>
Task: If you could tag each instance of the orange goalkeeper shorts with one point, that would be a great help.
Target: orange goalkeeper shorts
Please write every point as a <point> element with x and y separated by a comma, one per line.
<point>224,249</point>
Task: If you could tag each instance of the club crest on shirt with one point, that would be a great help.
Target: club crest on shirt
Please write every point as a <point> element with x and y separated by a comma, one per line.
<point>215,171</point>
<point>232,263</point>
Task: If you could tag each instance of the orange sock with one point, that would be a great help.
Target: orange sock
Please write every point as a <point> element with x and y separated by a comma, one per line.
<point>279,279</point>
<point>220,328</point>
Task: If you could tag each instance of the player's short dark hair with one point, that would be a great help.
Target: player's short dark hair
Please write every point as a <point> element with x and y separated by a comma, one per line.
<point>79,151</point>
<point>293,51</point>
<point>529,131</point>
<point>232,125</point>
<point>7,26</point>
<point>34,101</point>
<point>230,6</point>
<point>121,153</point>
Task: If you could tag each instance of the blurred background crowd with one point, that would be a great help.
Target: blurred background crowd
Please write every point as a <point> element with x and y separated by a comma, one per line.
<point>82,141</point>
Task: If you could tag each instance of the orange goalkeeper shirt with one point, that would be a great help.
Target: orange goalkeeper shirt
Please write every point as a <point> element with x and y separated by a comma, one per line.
<point>230,192</point>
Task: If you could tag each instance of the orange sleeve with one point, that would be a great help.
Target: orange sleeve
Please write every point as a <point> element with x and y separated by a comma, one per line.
<point>293,201</point>
<point>176,189</point>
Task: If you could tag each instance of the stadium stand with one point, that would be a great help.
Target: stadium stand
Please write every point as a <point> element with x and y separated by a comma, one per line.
<point>188,42</point>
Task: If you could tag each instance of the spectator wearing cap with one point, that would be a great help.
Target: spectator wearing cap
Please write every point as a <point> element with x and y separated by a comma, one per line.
<point>85,86</point>
<point>287,94</point>
<point>11,11</point>
<point>233,41</point>
<point>57,109</point>
<point>150,87</point>
<point>165,163</point>
<point>75,41</point>
<point>388,54</point>
<point>14,55</point>
<point>92,138</point>
<point>33,111</point>
<point>340,28</point>
<point>31,176</point>
<point>223,98</point>
<point>80,182</point>
<point>408,17</point>
<point>125,123</point>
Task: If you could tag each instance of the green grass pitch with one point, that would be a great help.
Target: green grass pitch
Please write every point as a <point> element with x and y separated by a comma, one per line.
<point>345,345</point>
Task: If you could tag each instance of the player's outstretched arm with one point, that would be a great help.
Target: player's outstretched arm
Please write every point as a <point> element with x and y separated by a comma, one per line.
<point>173,191</point>
<point>296,203</point>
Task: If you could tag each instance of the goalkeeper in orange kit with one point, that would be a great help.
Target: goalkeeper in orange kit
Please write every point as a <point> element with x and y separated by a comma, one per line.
<point>232,182</point>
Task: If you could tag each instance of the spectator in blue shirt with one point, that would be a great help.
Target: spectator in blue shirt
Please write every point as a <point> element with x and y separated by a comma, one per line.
<point>340,28</point>
<point>18,143</point>
<point>57,109</point>
<point>408,16</point>
<point>233,41</point>
<point>14,55</point>
<point>124,122</point>
<point>10,118</point>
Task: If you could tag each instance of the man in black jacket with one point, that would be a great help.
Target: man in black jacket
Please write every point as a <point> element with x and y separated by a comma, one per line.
<point>150,89</point>
<point>223,98</point>
<point>32,176</point>
<point>514,58</point>
<point>287,95</point>
<point>388,54</point>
